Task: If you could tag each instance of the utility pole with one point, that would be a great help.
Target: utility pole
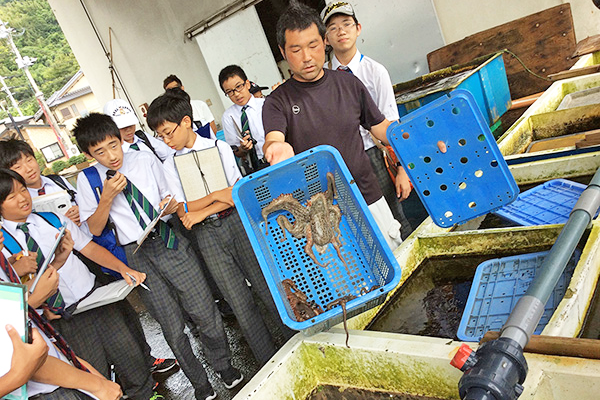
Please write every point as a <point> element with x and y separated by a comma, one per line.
<point>4,107</point>
<point>6,90</point>
<point>24,63</point>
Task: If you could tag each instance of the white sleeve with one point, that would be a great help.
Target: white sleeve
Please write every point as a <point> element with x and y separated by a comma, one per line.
<point>206,113</point>
<point>386,101</point>
<point>85,198</point>
<point>80,238</point>
<point>160,147</point>
<point>173,179</point>
<point>229,129</point>
<point>159,175</point>
<point>232,172</point>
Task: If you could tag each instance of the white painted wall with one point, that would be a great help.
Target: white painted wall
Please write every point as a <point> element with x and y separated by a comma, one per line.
<point>239,39</point>
<point>461,18</point>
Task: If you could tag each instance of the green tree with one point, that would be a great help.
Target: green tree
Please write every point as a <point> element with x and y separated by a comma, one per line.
<point>41,38</point>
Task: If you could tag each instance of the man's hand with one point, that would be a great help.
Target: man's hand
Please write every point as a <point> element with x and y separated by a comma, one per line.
<point>27,358</point>
<point>138,276</point>
<point>64,249</point>
<point>73,214</point>
<point>114,186</point>
<point>246,143</point>
<point>46,287</point>
<point>402,184</point>
<point>192,218</point>
<point>278,151</point>
<point>170,203</point>
<point>24,264</point>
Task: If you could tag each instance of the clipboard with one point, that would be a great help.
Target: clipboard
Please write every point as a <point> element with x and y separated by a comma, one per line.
<point>151,225</point>
<point>61,233</point>
<point>13,302</point>
<point>200,172</point>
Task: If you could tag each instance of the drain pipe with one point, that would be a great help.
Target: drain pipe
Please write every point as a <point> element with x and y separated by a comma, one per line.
<point>497,370</point>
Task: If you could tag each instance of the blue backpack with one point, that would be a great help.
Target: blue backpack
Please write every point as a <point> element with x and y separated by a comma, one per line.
<point>107,238</point>
<point>11,243</point>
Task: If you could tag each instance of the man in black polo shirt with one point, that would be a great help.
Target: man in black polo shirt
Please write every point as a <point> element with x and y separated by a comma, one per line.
<point>320,106</point>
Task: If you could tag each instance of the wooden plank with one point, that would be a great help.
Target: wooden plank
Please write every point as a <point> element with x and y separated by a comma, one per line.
<point>555,143</point>
<point>588,45</point>
<point>544,41</point>
<point>571,73</point>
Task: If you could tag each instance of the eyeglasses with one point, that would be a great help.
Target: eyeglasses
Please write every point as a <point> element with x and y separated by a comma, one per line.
<point>238,88</point>
<point>169,135</point>
<point>333,29</point>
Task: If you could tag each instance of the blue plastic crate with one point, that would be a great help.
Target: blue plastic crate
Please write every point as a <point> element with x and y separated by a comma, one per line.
<point>498,285</point>
<point>369,258</point>
<point>548,203</point>
<point>471,178</point>
<point>487,82</point>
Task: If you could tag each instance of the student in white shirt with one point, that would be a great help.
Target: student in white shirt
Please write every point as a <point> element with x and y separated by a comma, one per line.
<point>342,32</point>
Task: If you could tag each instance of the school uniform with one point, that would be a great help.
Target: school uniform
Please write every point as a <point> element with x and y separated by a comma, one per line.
<point>377,80</point>
<point>172,274</point>
<point>232,117</point>
<point>202,117</point>
<point>229,256</point>
<point>48,187</point>
<point>162,150</point>
<point>37,390</point>
<point>101,336</point>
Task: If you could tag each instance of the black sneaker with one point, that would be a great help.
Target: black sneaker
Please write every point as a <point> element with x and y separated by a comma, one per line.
<point>161,365</point>
<point>208,394</point>
<point>231,377</point>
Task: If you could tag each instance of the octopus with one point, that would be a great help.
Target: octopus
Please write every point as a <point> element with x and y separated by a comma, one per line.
<point>318,221</point>
<point>342,302</point>
<point>303,309</point>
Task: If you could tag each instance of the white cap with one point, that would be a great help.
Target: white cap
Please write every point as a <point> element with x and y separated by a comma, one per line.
<point>121,113</point>
<point>336,7</point>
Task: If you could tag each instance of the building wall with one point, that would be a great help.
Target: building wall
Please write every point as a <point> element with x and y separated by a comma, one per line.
<point>84,105</point>
<point>40,137</point>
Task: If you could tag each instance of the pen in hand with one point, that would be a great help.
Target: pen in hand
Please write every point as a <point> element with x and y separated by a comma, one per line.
<point>134,281</point>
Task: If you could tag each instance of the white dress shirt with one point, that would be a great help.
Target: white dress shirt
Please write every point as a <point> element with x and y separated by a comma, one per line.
<point>162,150</point>
<point>232,172</point>
<point>377,80</point>
<point>75,280</point>
<point>146,173</point>
<point>50,187</point>
<point>254,113</point>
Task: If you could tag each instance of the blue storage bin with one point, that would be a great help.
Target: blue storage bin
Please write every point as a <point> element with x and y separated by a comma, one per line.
<point>487,82</point>
<point>471,178</point>
<point>548,203</point>
<point>498,285</point>
<point>370,260</point>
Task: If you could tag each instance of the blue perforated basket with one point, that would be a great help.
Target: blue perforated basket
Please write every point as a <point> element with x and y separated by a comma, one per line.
<point>498,285</point>
<point>471,178</point>
<point>548,203</point>
<point>370,260</point>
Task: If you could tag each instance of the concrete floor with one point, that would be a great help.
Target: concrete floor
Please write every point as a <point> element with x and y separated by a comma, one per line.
<point>177,386</point>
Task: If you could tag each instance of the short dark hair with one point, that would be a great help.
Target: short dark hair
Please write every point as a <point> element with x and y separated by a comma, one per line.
<point>11,151</point>
<point>7,178</point>
<point>93,129</point>
<point>171,78</point>
<point>298,17</point>
<point>172,106</point>
<point>345,15</point>
<point>229,72</point>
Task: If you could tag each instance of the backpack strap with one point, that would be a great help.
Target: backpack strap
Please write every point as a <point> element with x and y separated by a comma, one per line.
<point>144,138</point>
<point>11,243</point>
<point>61,184</point>
<point>93,177</point>
<point>50,218</point>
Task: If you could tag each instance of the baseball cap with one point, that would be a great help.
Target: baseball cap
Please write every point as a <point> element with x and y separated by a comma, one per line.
<point>255,88</point>
<point>336,7</point>
<point>121,113</point>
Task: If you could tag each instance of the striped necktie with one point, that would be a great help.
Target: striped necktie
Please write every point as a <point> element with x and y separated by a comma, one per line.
<point>134,195</point>
<point>41,191</point>
<point>344,68</point>
<point>55,303</point>
<point>41,322</point>
<point>246,128</point>
<point>134,146</point>
<point>245,122</point>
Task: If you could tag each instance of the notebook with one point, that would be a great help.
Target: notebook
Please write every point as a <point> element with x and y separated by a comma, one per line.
<point>107,294</point>
<point>201,172</point>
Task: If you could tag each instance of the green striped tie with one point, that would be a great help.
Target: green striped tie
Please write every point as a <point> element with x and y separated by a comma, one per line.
<point>134,146</point>
<point>56,303</point>
<point>133,195</point>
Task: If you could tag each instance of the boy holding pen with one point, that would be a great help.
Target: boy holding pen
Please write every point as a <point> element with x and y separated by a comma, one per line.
<point>134,192</point>
<point>103,335</point>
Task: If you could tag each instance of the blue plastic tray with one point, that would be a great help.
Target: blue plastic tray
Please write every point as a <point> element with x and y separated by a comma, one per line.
<point>549,203</point>
<point>471,178</point>
<point>369,258</point>
<point>498,285</point>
